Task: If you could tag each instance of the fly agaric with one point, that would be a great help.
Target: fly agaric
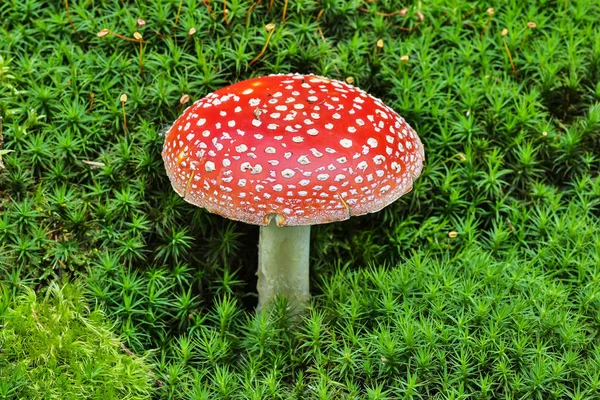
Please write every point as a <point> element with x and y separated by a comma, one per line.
<point>287,152</point>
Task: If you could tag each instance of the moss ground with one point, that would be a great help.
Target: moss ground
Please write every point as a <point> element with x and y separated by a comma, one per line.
<point>483,282</point>
<point>54,347</point>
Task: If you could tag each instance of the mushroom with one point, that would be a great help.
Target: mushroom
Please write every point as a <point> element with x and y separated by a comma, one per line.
<point>287,152</point>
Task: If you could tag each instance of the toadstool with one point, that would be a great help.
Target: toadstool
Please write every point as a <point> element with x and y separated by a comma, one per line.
<point>287,152</point>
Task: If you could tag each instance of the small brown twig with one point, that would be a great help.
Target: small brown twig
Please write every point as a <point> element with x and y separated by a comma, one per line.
<point>402,12</point>
<point>123,100</point>
<point>530,26</point>
<point>467,15</point>
<point>512,63</point>
<point>271,29</point>
<point>105,32</point>
<point>421,18</point>
<point>209,8</point>
<point>225,13</point>
<point>138,36</point>
<point>93,164</point>
<point>126,350</point>
<point>490,12</point>
<point>319,26</point>
<point>71,21</point>
<point>92,97</point>
<point>285,6</point>
<point>178,13</point>
<point>252,7</point>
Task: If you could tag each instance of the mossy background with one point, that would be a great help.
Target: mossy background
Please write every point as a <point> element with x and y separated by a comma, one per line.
<point>56,348</point>
<point>483,282</point>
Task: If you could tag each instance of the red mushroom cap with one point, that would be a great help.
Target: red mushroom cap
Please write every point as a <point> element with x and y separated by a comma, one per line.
<point>301,148</point>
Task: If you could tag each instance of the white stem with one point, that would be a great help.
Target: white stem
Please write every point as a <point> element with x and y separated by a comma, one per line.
<point>283,258</point>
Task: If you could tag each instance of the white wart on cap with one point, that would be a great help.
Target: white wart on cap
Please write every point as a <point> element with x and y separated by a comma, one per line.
<point>302,148</point>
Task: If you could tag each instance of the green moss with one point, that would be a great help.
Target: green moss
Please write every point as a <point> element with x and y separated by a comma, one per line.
<point>479,322</point>
<point>502,222</point>
<point>56,348</point>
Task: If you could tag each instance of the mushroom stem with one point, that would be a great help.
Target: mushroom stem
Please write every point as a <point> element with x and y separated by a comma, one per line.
<point>283,265</point>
